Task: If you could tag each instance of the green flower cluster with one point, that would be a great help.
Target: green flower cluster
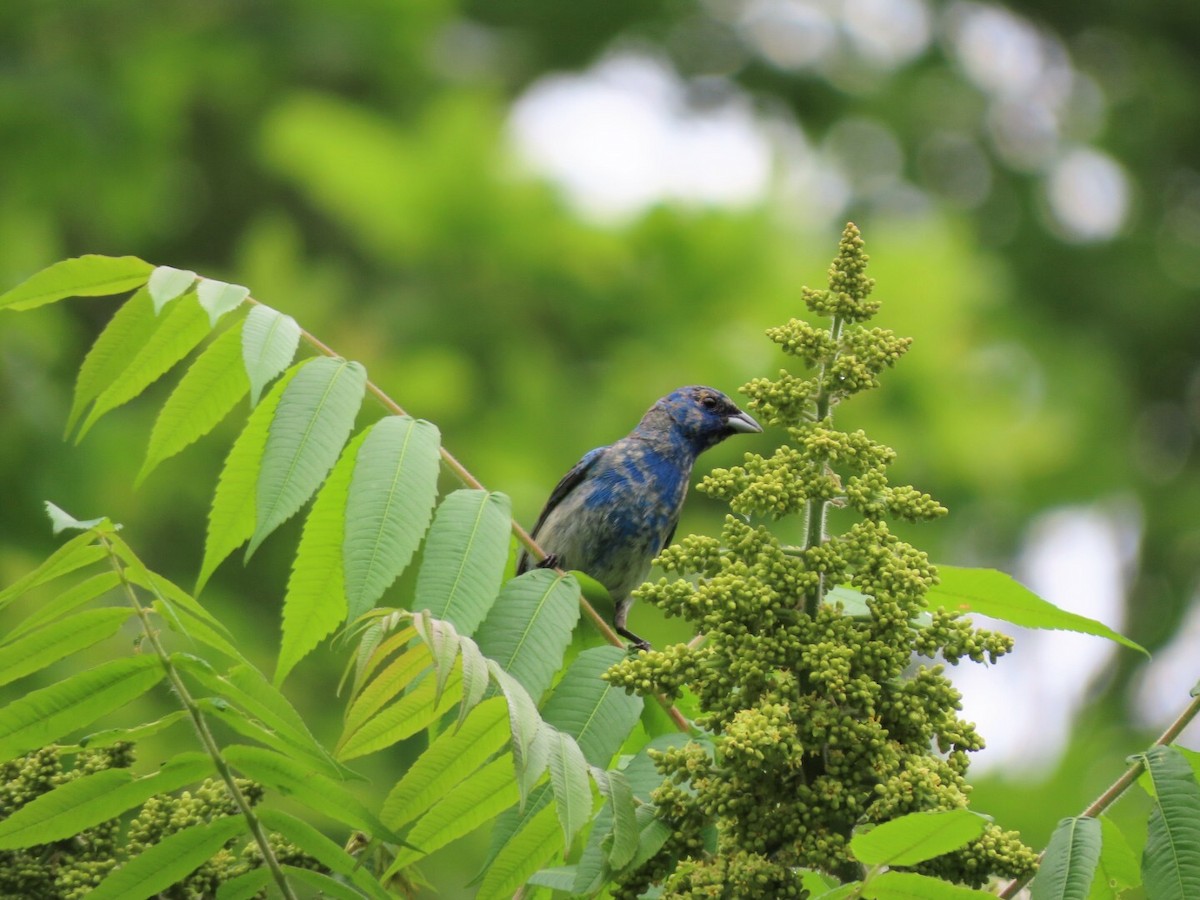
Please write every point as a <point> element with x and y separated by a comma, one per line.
<point>69,869</point>
<point>822,721</point>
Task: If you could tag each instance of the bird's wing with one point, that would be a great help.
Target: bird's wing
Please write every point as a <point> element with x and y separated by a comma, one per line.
<point>568,483</point>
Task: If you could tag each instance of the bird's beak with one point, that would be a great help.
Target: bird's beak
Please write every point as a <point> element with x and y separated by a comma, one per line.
<point>739,421</point>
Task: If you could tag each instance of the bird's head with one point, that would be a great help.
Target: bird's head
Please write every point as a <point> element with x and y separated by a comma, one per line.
<point>700,416</point>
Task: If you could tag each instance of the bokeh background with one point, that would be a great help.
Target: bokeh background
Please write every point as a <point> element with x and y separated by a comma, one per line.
<point>530,219</point>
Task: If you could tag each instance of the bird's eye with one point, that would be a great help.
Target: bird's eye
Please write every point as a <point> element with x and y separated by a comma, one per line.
<point>709,402</point>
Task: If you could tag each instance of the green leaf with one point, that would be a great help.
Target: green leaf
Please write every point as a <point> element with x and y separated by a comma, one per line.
<point>996,594</point>
<point>389,507</point>
<point>66,602</point>
<point>166,283</point>
<point>305,783</point>
<point>45,715</point>
<point>110,736</point>
<point>231,519</point>
<point>269,341</point>
<point>474,677</point>
<point>315,601</point>
<point>245,887</point>
<point>569,779</point>
<point>322,884</point>
<point>525,726</point>
<point>127,331</point>
<point>1171,860</point>
<point>61,520</point>
<point>419,708</point>
<point>1069,864</point>
<point>307,433</point>
<point>179,330</point>
<point>82,276</point>
<point>91,799</point>
<point>559,878</point>
<point>911,886</point>
<point>473,802</point>
<point>170,860</point>
<point>916,837</point>
<point>529,627</point>
<point>1118,868</point>
<point>59,640</point>
<point>393,681</point>
<point>624,820</point>
<point>464,558</point>
<point>523,855</point>
<point>452,758</point>
<point>218,298</point>
<point>206,393</point>
<point>82,550</point>
<point>322,849</point>
<point>596,714</point>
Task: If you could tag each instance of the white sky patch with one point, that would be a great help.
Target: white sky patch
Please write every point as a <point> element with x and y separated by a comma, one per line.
<point>622,136</point>
<point>1077,558</point>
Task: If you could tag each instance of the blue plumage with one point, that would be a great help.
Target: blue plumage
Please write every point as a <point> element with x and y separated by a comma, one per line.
<point>618,507</point>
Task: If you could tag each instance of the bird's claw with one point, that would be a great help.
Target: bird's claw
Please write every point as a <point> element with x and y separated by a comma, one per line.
<point>550,562</point>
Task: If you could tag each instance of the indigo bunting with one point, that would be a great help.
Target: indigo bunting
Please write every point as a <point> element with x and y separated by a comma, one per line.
<point>618,507</point>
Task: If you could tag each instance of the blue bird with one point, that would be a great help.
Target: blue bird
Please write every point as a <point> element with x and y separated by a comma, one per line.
<point>618,507</point>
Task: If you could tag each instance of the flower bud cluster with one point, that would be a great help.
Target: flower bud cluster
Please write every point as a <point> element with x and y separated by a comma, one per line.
<point>807,681</point>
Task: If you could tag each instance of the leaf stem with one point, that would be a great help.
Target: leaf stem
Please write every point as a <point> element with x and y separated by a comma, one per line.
<point>1118,787</point>
<point>202,729</point>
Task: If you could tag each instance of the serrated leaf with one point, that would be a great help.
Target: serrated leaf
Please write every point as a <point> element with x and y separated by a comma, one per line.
<point>58,640</point>
<point>389,506</point>
<point>524,725</point>
<point>997,594</point>
<point>43,716</point>
<point>474,677</point>
<point>1171,860</point>
<point>558,878</point>
<point>596,714</point>
<point>269,341</point>
<point>464,558</point>
<point>218,298</point>
<point>1118,868</point>
<point>90,799</point>
<point>464,808</point>
<point>315,601</point>
<point>166,283</point>
<point>81,276</point>
<point>110,736</point>
<point>393,681</point>
<point>1069,864</point>
<point>569,779</point>
<point>624,820</point>
<point>170,860</point>
<point>305,783</point>
<point>208,390</point>
<point>130,328</point>
<point>231,519</point>
<point>179,330</point>
<point>442,641</point>
<point>307,432</point>
<point>66,602</point>
<point>913,886</point>
<point>523,855</point>
<point>916,837</point>
<point>419,708</point>
<point>80,551</point>
<point>452,758</point>
<point>322,849</point>
<point>529,627</point>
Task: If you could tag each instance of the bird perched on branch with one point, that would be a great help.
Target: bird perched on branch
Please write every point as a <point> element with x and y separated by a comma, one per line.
<point>618,507</point>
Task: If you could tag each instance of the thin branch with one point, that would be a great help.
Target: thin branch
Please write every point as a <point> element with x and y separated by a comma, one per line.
<point>202,729</point>
<point>464,475</point>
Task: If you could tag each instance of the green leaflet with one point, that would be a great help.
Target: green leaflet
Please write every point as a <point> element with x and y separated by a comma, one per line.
<point>916,837</point>
<point>170,860</point>
<point>179,330</point>
<point>206,393</point>
<point>569,779</point>
<point>392,682</point>
<point>521,856</point>
<point>1118,868</point>
<point>269,341</point>
<point>67,601</point>
<point>166,283</point>
<point>529,748</point>
<point>129,328</point>
<point>913,886</point>
<point>315,601</point>
<point>415,711</point>
<point>322,849</point>
<point>464,558</point>
<point>321,884</point>
<point>231,519</point>
<point>529,627</point>
<point>451,759</point>
<point>58,640</point>
<point>81,276</point>
<point>110,736</point>
<point>1067,869</point>
<point>307,432</point>
<point>998,595</point>
<point>43,716</point>
<point>1171,860</point>
<point>389,507</point>
<point>218,298</point>
<point>245,887</point>
<point>91,799</point>
<point>81,550</point>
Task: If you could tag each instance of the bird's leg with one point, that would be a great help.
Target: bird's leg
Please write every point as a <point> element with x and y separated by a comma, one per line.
<point>550,562</point>
<point>622,612</point>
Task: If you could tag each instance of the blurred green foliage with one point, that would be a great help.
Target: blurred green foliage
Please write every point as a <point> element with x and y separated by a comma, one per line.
<point>352,164</point>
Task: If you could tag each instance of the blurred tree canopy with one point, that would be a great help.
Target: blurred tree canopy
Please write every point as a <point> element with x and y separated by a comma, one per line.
<point>1026,177</point>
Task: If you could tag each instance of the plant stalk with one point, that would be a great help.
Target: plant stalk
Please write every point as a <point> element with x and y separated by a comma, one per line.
<point>815,509</point>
